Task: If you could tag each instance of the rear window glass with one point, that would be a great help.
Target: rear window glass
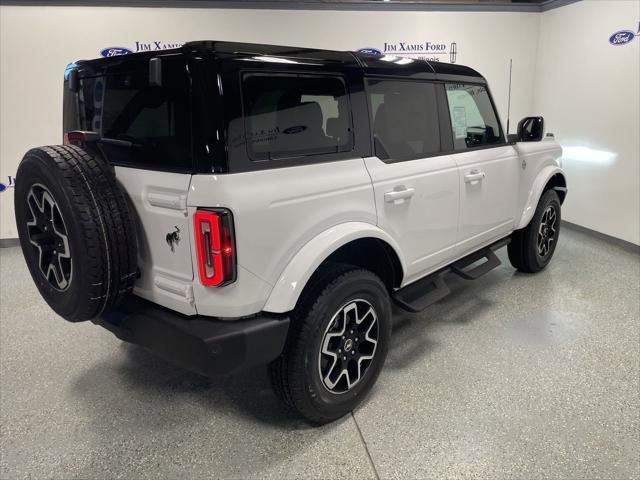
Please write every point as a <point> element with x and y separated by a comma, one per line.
<point>141,125</point>
<point>292,116</point>
<point>405,119</point>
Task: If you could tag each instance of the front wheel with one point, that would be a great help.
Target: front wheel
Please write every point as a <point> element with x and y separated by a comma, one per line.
<point>337,345</point>
<point>532,247</point>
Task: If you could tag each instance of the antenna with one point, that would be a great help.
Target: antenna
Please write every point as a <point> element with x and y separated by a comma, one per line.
<point>509,100</point>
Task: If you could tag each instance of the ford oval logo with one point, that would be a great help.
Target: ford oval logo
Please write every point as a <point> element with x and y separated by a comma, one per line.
<point>372,51</point>
<point>294,129</point>
<point>622,37</point>
<point>114,51</point>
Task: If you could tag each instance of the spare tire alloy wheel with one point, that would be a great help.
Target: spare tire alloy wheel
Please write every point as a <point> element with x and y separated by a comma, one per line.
<point>348,346</point>
<point>48,235</point>
<point>76,230</point>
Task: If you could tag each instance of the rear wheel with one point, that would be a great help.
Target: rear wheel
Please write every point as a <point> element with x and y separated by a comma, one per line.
<point>532,248</point>
<point>337,345</point>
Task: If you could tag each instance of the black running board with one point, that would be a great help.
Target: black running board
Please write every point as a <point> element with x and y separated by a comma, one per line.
<point>417,296</point>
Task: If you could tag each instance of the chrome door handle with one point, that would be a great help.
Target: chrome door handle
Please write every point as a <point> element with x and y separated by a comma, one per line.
<point>394,196</point>
<point>474,176</point>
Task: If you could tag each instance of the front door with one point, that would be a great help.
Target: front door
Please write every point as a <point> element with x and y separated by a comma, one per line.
<point>487,168</point>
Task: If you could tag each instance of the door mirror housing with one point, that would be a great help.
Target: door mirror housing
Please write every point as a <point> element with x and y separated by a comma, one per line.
<point>531,129</point>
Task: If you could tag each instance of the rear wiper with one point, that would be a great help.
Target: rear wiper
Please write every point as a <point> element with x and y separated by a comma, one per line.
<point>119,143</point>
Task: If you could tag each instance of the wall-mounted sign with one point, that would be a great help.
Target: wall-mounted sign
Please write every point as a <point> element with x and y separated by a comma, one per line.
<point>11,182</point>
<point>623,37</point>
<point>432,51</point>
<point>372,51</point>
<point>140,46</point>
<point>114,51</point>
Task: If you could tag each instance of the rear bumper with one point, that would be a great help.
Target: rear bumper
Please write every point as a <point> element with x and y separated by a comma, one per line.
<point>205,345</point>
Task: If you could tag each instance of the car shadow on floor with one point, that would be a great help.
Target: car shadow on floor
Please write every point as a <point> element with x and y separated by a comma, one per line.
<point>144,376</point>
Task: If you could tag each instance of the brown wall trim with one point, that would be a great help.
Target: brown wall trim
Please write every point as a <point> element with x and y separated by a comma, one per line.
<point>362,5</point>
<point>9,242</point>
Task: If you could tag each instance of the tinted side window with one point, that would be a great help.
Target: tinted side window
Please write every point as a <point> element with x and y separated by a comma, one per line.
<point>141,125</point>
<point>473,119</point>
<point>292,116</point>
<point>405,118</point>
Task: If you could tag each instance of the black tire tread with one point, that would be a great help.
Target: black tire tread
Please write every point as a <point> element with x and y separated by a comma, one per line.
<point>522,248</point>
<point>290,364</point>
<point>106,226</point>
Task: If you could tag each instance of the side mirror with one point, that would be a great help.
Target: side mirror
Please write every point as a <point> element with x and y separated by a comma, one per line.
<point>531,129</point>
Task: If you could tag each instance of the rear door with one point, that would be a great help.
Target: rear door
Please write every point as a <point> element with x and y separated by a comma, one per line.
<point>416,186</point>
<point>145,133</point>
<point>488,168</point>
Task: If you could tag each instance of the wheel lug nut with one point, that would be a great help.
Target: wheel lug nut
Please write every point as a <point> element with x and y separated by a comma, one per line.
<point>356,339</point>
<point>344,358</point>
<point>339,351</point>
<point>353,352</point>
<point>351,332</point>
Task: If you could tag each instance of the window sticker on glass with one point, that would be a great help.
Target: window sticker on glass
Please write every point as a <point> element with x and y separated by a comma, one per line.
<point>460,122</point>
<point>473,118</point>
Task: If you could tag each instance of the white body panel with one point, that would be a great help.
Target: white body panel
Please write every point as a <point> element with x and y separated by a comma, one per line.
<point>488,180</point>
<point>159,201</point>
<point>276,213</point>
<point>288,220</point>
<point>290,284</point>
<point>541,161</point>
<point>425,222</point>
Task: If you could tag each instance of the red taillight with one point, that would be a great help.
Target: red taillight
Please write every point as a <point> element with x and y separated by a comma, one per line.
<point>215,246</point>
<point>74,138</point>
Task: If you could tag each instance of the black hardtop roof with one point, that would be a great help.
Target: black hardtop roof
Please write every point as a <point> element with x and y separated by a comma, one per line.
<point>380,64</point>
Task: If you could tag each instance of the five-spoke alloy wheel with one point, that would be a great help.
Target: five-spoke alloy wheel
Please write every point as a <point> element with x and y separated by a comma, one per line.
<point>76,230</point>
<point>532,247</point>
<point>337,345</point>
<point>48,236</point>
<point>348,346</point>
<point>547,231</point>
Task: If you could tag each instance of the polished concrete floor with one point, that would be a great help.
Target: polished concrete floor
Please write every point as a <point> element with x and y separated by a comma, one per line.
<point>511,376</point>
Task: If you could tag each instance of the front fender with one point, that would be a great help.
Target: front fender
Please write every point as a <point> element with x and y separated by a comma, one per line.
<point>297,273</point>
<point>536,192</point>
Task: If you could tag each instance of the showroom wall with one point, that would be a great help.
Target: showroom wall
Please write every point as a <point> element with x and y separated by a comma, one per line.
<point>588,90</point>
<point>37,42</point>
<point>564,68</point>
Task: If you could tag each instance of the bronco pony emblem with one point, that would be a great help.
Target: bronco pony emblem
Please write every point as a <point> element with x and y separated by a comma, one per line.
<point>173,238</point>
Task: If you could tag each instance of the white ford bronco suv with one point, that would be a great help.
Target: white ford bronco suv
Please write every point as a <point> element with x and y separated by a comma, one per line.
<point>227,205</point>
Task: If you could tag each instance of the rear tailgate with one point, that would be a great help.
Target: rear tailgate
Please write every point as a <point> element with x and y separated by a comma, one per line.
<point>160,203</point>
<point>142,121</point>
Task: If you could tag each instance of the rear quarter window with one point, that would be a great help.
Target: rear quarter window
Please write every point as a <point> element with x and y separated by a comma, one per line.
<point>288,116</point>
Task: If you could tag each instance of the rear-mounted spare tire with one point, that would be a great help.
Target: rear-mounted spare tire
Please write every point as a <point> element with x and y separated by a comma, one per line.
<point>76,230</point>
